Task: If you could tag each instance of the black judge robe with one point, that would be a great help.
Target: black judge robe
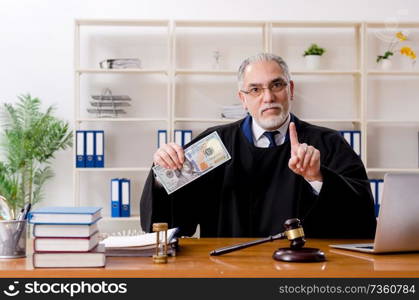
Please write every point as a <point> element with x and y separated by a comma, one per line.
<point>252,194</point>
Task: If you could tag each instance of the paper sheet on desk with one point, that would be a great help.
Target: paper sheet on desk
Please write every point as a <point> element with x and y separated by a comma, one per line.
<point>142,240</point>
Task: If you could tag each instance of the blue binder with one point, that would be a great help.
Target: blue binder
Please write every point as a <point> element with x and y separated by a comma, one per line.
<point>380,185</point>
<point>161,138</point>
<point>186,137</point>
<point>80,149</point>
<point>99,157</point>
<point>90,149</point>
<point>115,198</point>
<point>125,188</point>
<point>377,190</point>
<point>353,137</point>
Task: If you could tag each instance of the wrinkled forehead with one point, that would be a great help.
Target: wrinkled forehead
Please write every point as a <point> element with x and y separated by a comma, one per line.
<point>263,73</point>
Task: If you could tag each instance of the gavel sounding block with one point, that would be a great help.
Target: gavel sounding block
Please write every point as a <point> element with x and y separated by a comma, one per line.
<point>299,255</point>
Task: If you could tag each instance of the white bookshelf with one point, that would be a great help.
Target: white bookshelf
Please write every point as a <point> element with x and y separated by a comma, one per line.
<point>345,93</point>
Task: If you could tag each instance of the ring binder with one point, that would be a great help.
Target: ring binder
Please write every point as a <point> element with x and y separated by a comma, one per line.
<point>80,149</point>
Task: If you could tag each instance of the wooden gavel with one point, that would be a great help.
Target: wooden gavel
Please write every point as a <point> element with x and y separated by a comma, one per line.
<point>293,232</point>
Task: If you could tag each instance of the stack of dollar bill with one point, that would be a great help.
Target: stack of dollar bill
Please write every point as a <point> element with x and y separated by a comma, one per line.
<point>200,158</point>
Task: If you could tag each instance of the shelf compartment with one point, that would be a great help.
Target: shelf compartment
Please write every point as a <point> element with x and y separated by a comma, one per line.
<point>392,147</point>
<point>122,71</point>
<point>148,93</point>
<point>121,120</point>
<point>389,97</point>
<point>133,169</point>
<point>195,44</point>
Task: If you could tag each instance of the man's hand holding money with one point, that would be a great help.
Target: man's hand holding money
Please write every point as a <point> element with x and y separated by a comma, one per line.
<point>169,156</point>
<point>175,167</point>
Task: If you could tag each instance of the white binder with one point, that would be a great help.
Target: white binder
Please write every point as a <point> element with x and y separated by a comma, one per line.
<point>356,136</point>
<point>90,149</point>
<point>161,138</point>
<point>178,137</point>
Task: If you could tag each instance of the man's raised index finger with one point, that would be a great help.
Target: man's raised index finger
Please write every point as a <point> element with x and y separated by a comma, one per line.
<point>293,135</point>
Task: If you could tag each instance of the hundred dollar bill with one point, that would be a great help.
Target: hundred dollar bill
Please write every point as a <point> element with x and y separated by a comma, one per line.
<point>200,158</point>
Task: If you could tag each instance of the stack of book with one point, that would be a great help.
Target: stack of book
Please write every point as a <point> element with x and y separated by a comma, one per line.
<point>67,237</point>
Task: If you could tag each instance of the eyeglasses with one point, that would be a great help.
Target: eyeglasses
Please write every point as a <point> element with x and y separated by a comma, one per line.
<point>274,87</point>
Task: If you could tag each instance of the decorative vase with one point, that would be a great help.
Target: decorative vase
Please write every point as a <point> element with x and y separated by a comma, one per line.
<point>385,64</point>
<point>407,64</point>
<point>312,62</point>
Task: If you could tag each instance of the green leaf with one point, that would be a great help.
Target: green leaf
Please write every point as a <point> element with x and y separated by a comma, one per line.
<point>29,140</point>
<point>314,49</point>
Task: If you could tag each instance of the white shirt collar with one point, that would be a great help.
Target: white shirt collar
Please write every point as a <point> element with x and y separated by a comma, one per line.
<point>259,138</point>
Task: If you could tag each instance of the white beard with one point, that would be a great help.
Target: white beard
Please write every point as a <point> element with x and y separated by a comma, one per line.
<point>273,122</point>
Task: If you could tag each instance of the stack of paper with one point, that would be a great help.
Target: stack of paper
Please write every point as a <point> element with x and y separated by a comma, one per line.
<point>235,111</point>
<point>108,105</point>
<point>138,245</point>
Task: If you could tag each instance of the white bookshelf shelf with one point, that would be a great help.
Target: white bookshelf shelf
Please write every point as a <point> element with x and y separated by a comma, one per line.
<point>205,120</point>
<point>121,22</point>
<point>386,24</point>
<point>386,170</point>
<point>121,120</point>
<point>122,71</point>
<point>333,120</point>
<point>211,23</point>
<point>139,169</point>
<point>318,24</point>
<point>394,73</point>
<point>392,122</point>
<point>204,72</point>
<point>326,72</point>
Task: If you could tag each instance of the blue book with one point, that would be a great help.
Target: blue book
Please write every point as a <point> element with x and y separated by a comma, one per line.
<point>99,157</point>
<point>125,187</point>
<point>115,198</point>
<point>90,149</point>
<point>65,215</point>
<point>80,149</point>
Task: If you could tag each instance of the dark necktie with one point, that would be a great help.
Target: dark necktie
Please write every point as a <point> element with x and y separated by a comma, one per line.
<point>271,137</point>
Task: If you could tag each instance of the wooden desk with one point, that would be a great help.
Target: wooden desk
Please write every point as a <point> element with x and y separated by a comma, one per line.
<point>194,261</point>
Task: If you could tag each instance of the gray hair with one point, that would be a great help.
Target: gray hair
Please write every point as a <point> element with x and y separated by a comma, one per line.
<point>263,57</point>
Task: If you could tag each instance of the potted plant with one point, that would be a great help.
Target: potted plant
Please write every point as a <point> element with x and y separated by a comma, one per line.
<point>384,60</point>
<point>28,140</point>
<point>312,56</point>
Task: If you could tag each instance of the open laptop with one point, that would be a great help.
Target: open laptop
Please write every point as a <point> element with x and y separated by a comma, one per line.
<point>398,221</point>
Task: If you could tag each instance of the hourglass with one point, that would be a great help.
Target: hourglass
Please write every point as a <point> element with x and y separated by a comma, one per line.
<point>161,243</point>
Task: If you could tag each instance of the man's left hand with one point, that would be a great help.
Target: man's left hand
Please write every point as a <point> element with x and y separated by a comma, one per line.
<point>305,159</point>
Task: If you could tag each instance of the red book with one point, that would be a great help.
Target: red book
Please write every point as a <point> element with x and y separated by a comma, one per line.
<point>66,244</point>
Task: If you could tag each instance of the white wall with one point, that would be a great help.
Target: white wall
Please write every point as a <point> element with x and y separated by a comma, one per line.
<point>36,42</point>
